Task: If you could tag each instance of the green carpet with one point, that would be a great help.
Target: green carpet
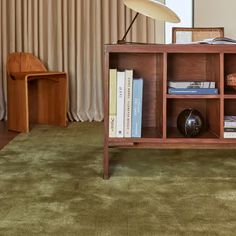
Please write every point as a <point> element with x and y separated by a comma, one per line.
<point>50,184</point>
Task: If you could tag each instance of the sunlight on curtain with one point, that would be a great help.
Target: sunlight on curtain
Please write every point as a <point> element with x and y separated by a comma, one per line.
<point>69,36</point>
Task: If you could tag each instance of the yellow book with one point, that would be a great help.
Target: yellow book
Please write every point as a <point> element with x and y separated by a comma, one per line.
<point>112,102</point>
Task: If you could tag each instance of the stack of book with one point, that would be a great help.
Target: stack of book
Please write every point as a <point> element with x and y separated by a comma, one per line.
<point>192,87</point>
<point>125,104</point>
<point>230,127</point>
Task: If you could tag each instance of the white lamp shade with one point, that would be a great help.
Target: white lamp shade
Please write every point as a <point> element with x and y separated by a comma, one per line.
<point>153,9</point>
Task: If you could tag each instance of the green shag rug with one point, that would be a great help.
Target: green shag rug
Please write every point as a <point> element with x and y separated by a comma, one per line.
<point>51,184</point>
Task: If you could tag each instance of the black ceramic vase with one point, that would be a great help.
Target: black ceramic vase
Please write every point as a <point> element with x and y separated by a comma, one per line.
<point>190,122</point>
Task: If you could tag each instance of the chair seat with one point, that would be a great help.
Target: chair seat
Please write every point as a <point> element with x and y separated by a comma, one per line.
<point>34,94</point>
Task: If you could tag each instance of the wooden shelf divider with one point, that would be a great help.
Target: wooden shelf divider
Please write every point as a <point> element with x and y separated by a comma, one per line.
<point>158,64</point>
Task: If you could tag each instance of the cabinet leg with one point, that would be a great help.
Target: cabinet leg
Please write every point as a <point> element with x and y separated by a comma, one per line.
<point>106,162</point>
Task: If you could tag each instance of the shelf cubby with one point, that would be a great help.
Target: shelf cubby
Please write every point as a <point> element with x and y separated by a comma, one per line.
<point>148,66</point>
<point>230,107</point>
<point>229,68</point>
<point>194,67</point>
<point>209,109</point>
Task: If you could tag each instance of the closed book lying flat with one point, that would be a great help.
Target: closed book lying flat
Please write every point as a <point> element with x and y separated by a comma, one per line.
<point>230,129</point>
<point>229,134</point>
<point>189,91</point>
<point>230,121</point>
<point>218,40</point>
<point>230,118</point>
<point>191,84</point>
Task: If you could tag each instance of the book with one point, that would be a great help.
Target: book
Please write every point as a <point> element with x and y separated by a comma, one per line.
<point>137,108</point>
<point>120,104</point>
<point>191,84</point>
<point>230,129</point>
<point>112,103</point>
<point>192,91</point>
<point>218,40</point>
<point>128,102</point>
<point>229,134</point>
<point>230,121</point>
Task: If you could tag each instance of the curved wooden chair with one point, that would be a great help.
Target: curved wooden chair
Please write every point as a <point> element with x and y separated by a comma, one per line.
<point>187,35</point>
<point>34,95</point>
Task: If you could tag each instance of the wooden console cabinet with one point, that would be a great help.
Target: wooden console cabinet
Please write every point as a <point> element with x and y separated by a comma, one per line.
<point>158,64</point>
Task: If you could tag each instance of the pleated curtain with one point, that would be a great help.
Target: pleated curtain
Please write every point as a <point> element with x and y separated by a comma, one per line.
<point>68,35</point>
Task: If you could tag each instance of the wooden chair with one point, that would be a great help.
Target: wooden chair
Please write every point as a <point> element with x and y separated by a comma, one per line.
<point>187,35</point>
<point>33,94</point>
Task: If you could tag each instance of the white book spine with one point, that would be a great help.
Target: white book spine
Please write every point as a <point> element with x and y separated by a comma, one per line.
<point>128,102</point>
<point>191,84</point>
<point>229,134</point>
<point>120,104</point>
<point>229,124</point>
<point>112,103</point>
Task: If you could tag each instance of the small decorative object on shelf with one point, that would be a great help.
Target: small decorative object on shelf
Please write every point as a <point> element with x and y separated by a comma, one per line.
<point>231,81</point>
<point>190,122</point>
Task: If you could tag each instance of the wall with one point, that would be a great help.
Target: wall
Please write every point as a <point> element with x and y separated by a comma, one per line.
<point>184,11</point>
<point>216,13</point>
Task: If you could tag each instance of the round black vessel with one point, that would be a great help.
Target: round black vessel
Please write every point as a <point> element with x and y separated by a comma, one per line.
<point>190,122</point>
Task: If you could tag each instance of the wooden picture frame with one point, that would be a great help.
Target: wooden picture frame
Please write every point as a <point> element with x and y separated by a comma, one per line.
<point>196,34</point>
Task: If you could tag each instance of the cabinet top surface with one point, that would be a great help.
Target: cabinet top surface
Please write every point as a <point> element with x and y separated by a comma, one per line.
<point>170,48</point>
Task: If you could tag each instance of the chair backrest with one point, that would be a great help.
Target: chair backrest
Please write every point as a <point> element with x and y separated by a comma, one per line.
<point>23,62</point>
<point>187,35</point>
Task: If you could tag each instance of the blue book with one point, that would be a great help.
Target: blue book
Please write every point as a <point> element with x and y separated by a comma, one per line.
<point>137,108</point>
<point>192,91</point>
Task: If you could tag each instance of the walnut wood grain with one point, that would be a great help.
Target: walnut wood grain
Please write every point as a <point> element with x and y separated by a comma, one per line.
<point>158,64</point>
<point>34,95</point>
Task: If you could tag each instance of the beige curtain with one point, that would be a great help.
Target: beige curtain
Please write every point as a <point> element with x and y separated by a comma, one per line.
<point>68,35</point>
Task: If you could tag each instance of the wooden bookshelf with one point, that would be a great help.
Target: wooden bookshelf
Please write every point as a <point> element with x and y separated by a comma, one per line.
<point>157,64</point>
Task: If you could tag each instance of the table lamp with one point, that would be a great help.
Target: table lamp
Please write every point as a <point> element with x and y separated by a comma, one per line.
<point>150,8</point>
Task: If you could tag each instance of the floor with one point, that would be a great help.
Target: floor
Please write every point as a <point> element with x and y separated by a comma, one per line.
<point>51,184</point>
<point>5,135</point>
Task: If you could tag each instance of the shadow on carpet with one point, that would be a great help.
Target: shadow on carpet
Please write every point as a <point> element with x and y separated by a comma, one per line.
<point>51,184</point>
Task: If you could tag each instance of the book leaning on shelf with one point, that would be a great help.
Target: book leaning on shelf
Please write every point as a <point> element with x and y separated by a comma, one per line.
<point>125,104</point>
<point>137,108</point>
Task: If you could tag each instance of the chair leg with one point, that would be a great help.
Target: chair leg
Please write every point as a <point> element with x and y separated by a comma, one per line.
<point>17,106</point>
<point>48,100</point>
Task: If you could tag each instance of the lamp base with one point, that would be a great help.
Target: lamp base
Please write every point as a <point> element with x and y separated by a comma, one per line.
<point>121,41</point>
